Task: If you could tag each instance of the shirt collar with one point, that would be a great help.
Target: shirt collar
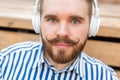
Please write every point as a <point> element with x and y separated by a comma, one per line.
<point>77,66</point>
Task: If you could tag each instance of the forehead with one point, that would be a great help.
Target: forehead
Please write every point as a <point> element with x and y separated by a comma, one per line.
<point>69,6</point>
<point>65,1</point>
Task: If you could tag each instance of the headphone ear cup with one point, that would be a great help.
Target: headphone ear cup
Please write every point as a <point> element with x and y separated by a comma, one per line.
<point>94,26</point>
<point>36,23</point>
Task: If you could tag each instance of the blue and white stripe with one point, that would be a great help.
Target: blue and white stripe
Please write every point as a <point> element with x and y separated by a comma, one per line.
<point>25,61</point>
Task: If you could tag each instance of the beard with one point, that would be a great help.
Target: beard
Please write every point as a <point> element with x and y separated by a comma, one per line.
<point>61,55</point>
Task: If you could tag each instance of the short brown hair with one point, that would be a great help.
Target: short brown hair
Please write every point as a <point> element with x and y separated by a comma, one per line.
<point>89,2</point>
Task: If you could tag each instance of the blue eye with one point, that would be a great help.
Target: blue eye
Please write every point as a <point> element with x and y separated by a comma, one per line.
<point>53,20</point>
<point>75,21</point>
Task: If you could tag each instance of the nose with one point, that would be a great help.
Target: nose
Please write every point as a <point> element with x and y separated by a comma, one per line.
<point>63,29</point>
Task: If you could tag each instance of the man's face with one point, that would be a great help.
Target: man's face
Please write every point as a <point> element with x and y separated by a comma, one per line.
<point>64,29</point>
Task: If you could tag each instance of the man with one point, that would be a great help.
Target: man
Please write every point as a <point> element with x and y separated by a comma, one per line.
<point>64,30</point>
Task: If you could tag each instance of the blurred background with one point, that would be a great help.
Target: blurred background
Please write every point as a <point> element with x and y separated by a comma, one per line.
<point>16,26</point>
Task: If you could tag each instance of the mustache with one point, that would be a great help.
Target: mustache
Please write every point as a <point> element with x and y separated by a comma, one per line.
<point>62,39</point>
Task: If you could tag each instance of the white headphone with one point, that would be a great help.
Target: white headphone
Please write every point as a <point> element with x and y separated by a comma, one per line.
<point>94,25</point>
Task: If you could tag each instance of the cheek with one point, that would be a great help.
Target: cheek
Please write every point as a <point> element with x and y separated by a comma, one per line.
<point>44,30</point>
<point>47,30</point>
<point>81,33</point>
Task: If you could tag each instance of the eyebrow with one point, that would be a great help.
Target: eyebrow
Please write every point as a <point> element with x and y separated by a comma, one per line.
<point>71,17</point>
<point>49,16</point>
<point>77,17</point>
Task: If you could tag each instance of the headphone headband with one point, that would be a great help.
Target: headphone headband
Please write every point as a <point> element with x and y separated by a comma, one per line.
<point>96,12</point>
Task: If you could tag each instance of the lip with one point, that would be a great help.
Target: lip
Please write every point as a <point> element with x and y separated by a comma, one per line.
<point>62,45</point>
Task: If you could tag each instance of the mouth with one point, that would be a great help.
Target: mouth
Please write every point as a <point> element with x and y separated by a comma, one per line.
<point>62,45</point>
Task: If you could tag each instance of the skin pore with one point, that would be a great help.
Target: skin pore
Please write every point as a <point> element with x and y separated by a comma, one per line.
<point>64,30</point>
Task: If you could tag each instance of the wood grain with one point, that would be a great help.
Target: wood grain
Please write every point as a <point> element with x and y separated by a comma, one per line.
<point>110,1</point>
<point>105,51</point>
<point>8,38</point>
<point>16,23</point>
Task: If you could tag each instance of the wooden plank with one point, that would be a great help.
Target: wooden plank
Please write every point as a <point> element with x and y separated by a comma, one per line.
<point>110,1</point>
<point>105,51</point>
<point>16,9</point>
<point>109,32</point>
<point>22,9</point>
<point>109,10</point>
<point>16,23</point>
<point>8,38</point>
<point>110,22</point>
<point>16,15</point>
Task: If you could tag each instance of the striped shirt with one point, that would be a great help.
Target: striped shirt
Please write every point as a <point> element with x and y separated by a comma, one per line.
<point>25,61</point>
